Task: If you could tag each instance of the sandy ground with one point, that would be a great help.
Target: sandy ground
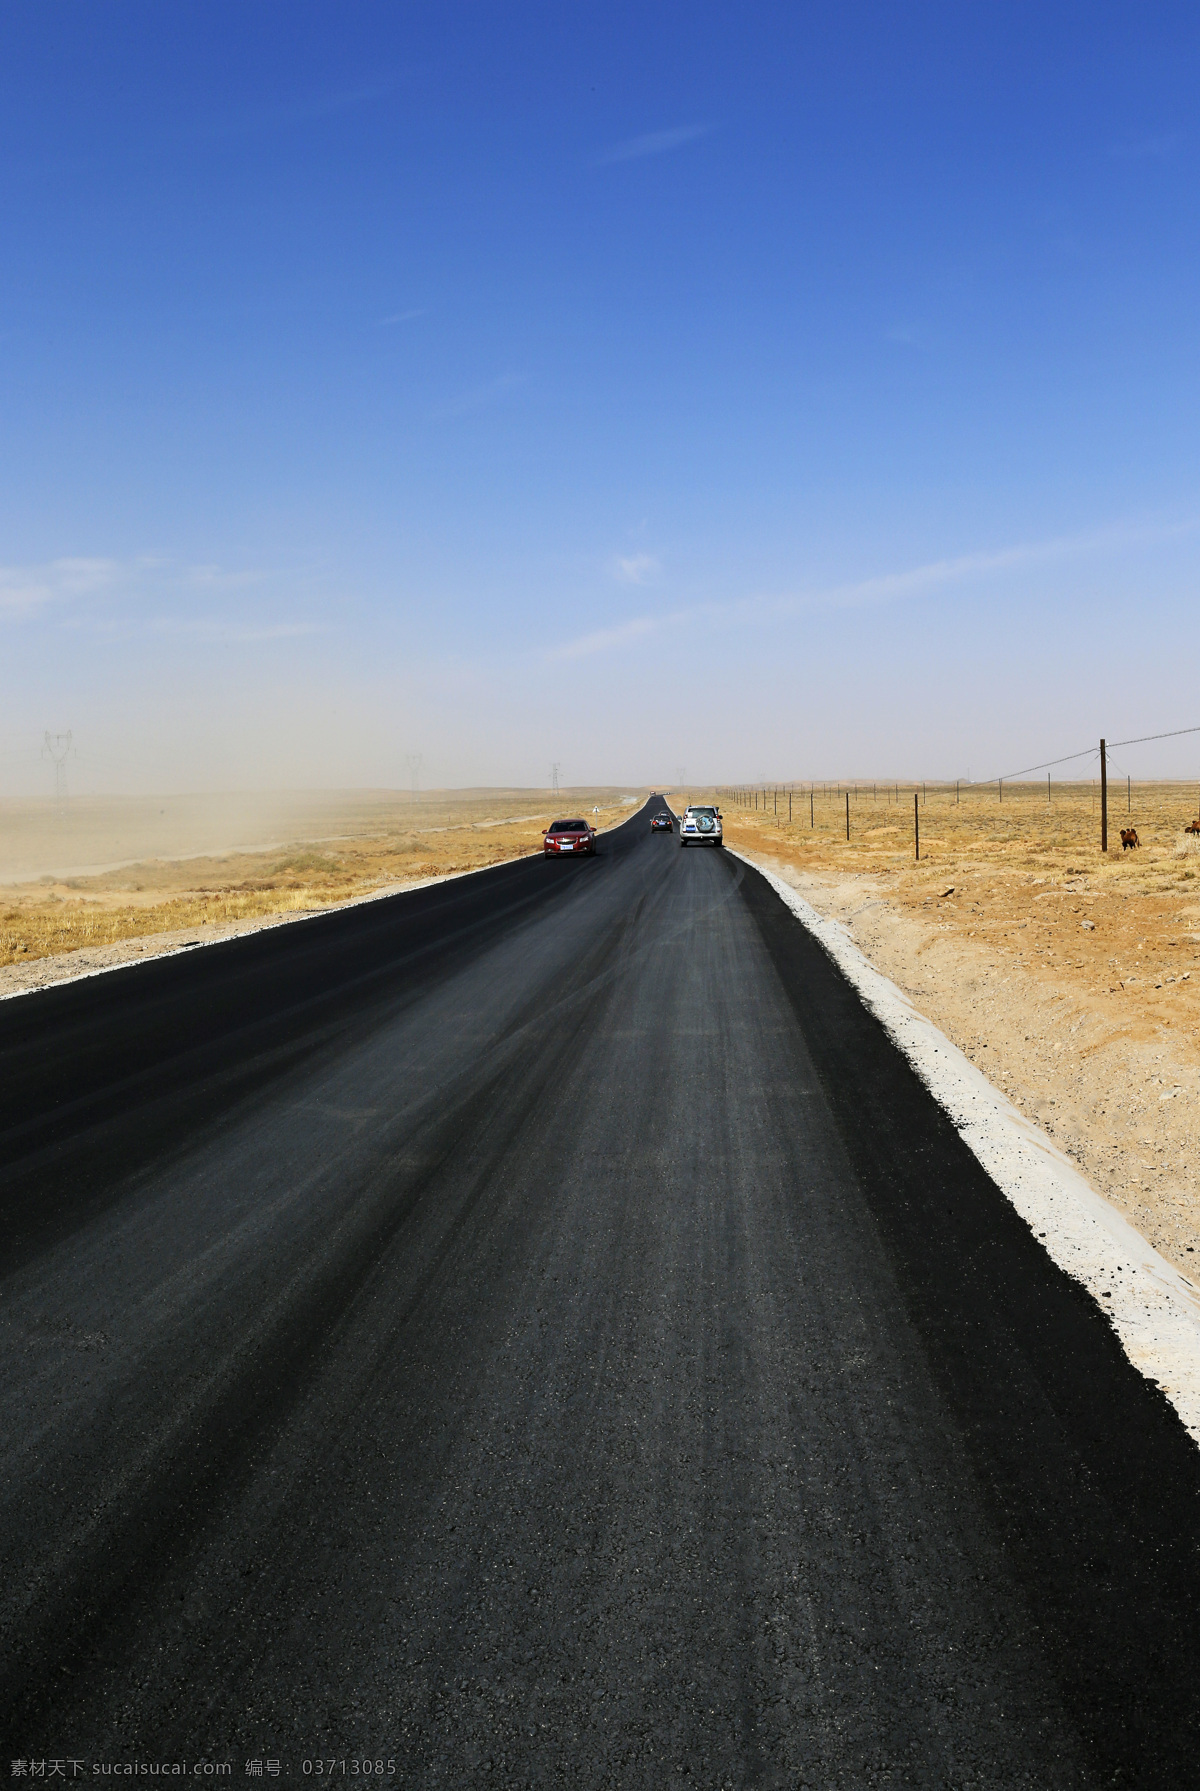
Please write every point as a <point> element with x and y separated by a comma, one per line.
<point>90,835</point>
<point>1072,980</point>
<point>366,843</point>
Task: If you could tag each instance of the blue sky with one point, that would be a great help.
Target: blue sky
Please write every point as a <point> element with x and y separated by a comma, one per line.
<point>785,391</point>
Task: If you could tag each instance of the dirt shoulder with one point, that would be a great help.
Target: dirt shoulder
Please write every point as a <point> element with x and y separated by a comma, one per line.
<point>1081,1002</point>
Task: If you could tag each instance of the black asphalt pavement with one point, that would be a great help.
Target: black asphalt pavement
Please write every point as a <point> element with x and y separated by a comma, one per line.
<point>538,1331</point>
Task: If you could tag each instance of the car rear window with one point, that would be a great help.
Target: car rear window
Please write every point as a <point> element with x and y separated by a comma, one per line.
<point>569,827</point>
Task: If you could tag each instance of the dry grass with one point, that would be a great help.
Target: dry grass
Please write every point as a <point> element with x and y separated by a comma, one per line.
<point>432,836</point>
<point>1023,829</point>
<point>1021,873</point>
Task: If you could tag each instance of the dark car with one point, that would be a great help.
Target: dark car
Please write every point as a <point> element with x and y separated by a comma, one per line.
<point>662,822</point>
<point>568,836</point>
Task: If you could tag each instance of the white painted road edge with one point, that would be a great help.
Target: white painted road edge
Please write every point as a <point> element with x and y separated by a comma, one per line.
<point>1154,1309</point>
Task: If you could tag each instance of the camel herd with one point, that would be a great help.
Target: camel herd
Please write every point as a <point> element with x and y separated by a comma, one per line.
<point>1129,836</point>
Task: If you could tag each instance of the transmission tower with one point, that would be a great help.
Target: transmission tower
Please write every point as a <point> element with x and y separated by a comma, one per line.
<point>413,761</point>
<point>554,771</point>
<point>56,748</point>
<point>680,776</point>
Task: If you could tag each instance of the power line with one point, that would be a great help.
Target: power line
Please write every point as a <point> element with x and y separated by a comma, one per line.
<point>978,782</point>
<point>1087,752</point>
<point>1142,738</point>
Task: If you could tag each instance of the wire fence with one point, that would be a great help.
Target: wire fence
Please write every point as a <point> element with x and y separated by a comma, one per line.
<point>801,798</point>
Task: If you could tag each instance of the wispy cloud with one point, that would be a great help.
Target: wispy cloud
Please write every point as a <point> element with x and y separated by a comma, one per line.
<point>219,578</point>
<point>302,109</point>
<point>214,631</point>
<point>26,589</point>
<point>638,569</point>
<point>974,565</point>
<point>603,639</point>
<point>479,398</point>
<point>129,597</point>
<point>401,317</point>
<point>653,143</point>
<point>1147,149</point>
<point>885,587</point>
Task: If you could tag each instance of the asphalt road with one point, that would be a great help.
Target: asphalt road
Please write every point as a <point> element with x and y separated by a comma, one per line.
<point>537,1330</point>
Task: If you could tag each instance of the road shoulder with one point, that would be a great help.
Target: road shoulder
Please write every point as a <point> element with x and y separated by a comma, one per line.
<point>1152,1305</point>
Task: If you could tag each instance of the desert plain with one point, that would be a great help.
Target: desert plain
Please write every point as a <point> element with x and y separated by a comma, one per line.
<point>1070,976</point>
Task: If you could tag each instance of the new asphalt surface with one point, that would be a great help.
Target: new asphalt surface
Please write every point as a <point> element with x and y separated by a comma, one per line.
<point>537,1331</point>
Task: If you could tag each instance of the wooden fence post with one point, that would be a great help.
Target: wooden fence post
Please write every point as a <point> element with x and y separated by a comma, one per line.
<point>916,825</point>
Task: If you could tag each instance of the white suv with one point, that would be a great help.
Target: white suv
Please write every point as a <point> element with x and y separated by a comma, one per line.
<point>701,827</point>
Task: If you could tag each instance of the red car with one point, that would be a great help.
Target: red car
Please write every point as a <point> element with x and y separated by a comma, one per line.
<point>568,836</point>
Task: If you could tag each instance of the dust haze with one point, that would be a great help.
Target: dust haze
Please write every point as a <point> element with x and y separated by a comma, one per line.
<point>88,836</point>
<point>90,883</point>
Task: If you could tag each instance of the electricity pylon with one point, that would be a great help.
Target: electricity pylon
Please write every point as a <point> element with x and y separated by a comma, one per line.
<point>554,771</point>
<point>56,747</point>
<point>413,761</point>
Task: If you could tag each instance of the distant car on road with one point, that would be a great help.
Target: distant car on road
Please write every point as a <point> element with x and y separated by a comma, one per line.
<point>568,836</point>
<point>701,826</point>
<point>662,822</point>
